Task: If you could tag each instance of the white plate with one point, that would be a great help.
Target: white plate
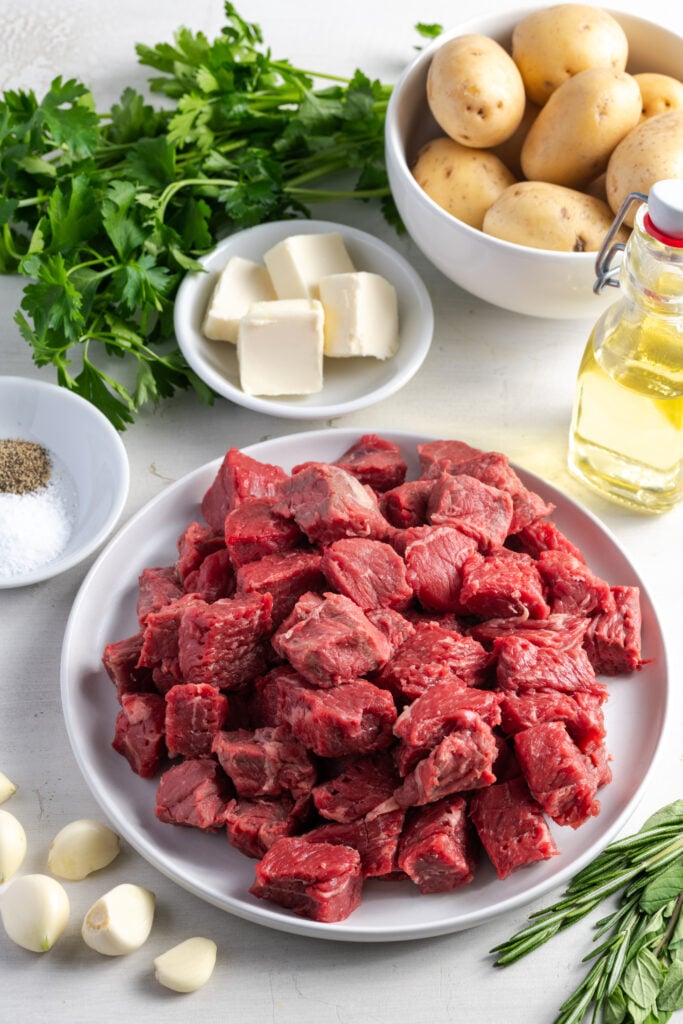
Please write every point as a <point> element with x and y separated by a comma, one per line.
<point>348,384</point>
<point>104,610</point>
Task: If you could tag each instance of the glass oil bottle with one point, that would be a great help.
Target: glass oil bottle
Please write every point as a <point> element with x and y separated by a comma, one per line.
<point>626,436</point>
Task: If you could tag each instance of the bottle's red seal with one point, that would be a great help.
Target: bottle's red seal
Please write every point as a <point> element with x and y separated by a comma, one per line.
<point>648,224</point>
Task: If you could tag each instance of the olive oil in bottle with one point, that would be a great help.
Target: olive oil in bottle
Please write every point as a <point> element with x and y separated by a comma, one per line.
<point>626,437</point>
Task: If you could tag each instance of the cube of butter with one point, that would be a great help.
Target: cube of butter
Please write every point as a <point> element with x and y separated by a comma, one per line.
<point>297,263</point>
<point>280,347</point>
<point>240,283</point>
<point>361,315</point>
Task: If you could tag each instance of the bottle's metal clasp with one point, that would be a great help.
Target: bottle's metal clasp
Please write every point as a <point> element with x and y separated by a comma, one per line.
<point>606,274</point>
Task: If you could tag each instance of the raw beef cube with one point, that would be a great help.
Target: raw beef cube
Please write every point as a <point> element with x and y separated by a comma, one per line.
<point>355,718</point>
<point>267,691</point>
<point>571,585</point>
<point>613,639</point>
<point>120,660</point>
<point>194,714</point>
<point>431,716</point>
<point>502,584</point>
<point>139,732</point>
<point>225,643</point>
<point>406,505</point>
<point>600,759</point>
<point>544,535</point>
<point>375,461</point>
<point>437,457</point>
<point>559,630</point>
<point>394,625</point>
<point>328,503</point>
<point>436,849</point>
<point>433,655</point>
<point>361,786</point>
<point>559,776</point>
<point>376,837</point>
<point>334,643</point>
<point>196,542</point>
<point>215,577</point>
<point>434,557</point>
<point>265,762</point>
<point>160,638</point>
<point>287,577</point>
<point>253,530</point>
<point>580,712</point>
<point>319,881</point>
<point>193,793</point>
<point>252,826</point>
<point>511,826</point>
<point>522,666</point>
<point>369,572</point>
<point>462,760</point>
<point>239,477</point>
<point>156,588</point>
<point>494,469</point>
<point>481,512</point>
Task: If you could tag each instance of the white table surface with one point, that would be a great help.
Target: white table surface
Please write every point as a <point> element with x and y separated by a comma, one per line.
<point>496,379</point>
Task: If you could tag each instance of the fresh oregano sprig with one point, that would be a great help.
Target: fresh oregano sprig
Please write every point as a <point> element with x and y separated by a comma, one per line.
<point>636,975</point>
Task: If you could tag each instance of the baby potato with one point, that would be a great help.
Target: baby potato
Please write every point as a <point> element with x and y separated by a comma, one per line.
<point>659,93</point>
<point>510,151</point>
<point>462,180</point>
<point>651,152</point>
<point>576,131</point>
<point>554,43</point>
<point>544,216</point>
<point>475,91</point>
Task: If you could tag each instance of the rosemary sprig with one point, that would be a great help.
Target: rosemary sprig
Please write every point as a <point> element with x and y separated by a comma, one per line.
<point>636,975</point>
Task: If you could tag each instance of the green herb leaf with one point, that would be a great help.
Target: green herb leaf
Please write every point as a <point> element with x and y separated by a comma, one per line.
<point>663,888</point>
<point>671,993</point>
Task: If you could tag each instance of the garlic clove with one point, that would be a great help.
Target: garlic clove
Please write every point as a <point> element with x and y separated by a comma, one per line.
<point>187,966</point>
<point>81,847</point>
<point>120,921</point>
<point>12,845</point>
<point>35,911</point>
<point>7,788</point>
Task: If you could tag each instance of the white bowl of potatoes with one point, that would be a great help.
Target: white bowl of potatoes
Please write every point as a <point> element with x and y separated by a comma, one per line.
<point>511,196</point>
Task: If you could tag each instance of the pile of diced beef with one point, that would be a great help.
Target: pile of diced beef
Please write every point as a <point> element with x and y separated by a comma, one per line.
<point>354,675</point>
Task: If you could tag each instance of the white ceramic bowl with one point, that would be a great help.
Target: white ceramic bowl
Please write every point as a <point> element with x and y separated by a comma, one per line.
<point>348,384</point>
<point>537,282</point>
<point>89,463</point>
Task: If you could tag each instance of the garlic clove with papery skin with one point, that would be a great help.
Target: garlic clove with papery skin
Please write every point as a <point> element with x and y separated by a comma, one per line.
<point>81,847</point>
<point>7,788</point>
<point>120,920</point>
<point>35,911</point>
<point>12,845</point>
<point>187,966</point>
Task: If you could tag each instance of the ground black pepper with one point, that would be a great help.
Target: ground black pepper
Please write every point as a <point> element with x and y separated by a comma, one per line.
<point>25,466</point>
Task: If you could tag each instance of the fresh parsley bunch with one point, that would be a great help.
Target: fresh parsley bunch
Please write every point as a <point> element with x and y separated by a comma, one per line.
<point>106,212</point>
<point>637,965</point>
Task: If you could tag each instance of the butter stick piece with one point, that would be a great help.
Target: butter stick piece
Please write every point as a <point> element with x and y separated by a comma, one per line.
<point>241,283</point>
<point>361,315</point>
<point>297,263</point>
<point>280,348</point>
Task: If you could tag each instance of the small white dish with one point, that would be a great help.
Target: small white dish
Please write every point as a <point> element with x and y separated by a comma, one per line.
<point>89,464</point>
<point>349,384</point>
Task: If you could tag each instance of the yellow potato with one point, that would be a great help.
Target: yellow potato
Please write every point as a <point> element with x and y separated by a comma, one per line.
<point>651,152</point>
<point>554,43</point>
<point>576,131</point>
<point>462,180</point>
<point>475,91</point>
<point>543,216</point>
<point>510,151</point>
<point>659,93</point>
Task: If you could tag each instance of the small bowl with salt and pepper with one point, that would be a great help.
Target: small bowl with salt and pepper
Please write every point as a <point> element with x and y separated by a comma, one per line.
<point>64,479</point>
